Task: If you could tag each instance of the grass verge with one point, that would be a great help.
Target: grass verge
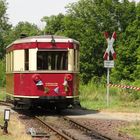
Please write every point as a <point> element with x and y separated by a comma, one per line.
<point>2,93</point>
<point>93,96</point>
<point>133,129</point>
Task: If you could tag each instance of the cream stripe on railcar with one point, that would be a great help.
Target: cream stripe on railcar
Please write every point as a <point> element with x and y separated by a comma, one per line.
<point>71,60</point>
<point>33,59</point>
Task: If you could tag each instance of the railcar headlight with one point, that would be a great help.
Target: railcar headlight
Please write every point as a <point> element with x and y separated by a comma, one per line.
<point>68,77</point>
<point>36,78</point>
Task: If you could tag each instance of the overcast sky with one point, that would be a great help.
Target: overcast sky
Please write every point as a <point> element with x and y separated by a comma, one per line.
<point>33,10</point>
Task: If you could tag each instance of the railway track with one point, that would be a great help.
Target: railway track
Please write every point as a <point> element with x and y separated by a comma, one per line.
<point>92,133</point>
<point>10,104</point>
<point>65,128</point>
<point>49,128</point>
<point>6,104</point>
<point>56,126</point>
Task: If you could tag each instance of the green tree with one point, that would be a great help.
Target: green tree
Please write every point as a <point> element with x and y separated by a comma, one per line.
<point>22,28</point>
<point>54,24</point>
<point>2,72</point>
<point>4,27</point>
<point>128,62</point>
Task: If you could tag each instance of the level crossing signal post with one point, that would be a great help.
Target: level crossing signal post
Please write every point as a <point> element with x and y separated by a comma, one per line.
<point>107,62</point>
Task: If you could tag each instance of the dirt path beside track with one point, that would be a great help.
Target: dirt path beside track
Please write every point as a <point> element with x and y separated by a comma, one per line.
<point>124,116</point>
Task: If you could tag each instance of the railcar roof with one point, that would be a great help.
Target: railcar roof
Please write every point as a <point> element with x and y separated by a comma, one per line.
<point>44,38</point>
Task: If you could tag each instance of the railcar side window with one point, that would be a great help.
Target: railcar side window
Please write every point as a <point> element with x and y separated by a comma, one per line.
<point>9,61</point>
<point>52,60</point>
<point>26,59</point>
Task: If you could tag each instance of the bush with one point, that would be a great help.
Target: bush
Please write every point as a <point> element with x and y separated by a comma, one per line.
<point>2,73</point>
<point>93,90</point>
<point>129,94</point>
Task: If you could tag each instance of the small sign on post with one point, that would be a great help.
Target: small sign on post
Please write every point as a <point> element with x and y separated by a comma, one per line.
<point>107,63</point>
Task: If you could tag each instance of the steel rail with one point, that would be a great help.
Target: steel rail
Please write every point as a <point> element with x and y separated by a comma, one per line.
<point>50,128</point>
<point>87,130</point>
<point>6,103</point>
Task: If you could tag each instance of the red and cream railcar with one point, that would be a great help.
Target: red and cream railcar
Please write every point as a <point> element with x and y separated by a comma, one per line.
<point>43,70</point>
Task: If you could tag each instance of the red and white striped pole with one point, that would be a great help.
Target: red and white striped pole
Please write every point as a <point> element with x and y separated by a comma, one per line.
<point>125,87</point>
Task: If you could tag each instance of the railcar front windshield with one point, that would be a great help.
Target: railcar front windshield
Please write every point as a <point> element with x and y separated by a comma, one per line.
<point>52,60</point>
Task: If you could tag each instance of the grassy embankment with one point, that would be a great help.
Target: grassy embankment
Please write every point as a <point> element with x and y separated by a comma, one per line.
<point>93,96</point>
<point>2,93</point>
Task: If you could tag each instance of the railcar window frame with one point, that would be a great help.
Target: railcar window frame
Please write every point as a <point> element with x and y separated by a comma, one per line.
<point>52,59</point>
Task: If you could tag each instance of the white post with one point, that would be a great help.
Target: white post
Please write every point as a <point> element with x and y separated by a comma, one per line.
<point>107,88</point>
<point>106,57</point>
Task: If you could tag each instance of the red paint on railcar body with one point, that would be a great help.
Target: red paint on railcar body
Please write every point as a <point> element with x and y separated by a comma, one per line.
<point>24,85</point>
<point>40,45</point>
